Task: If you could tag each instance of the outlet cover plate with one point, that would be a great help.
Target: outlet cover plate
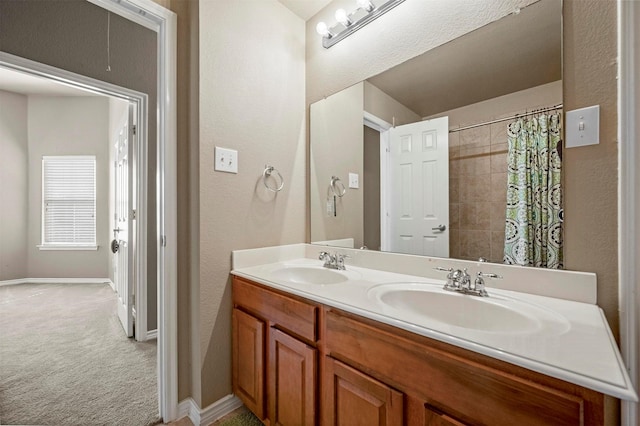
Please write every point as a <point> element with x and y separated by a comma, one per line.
<point>354,180</point>
<point>226,160</point>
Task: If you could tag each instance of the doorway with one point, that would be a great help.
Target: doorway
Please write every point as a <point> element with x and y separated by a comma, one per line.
<point>163,23</point>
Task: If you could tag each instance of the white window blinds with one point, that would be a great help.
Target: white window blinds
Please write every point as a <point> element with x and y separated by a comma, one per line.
<point>69,200</point>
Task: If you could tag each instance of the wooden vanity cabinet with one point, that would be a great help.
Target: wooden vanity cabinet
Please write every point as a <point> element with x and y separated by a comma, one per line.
<point>299,363</point>
<point>351,398</point>
<point>275,359</point>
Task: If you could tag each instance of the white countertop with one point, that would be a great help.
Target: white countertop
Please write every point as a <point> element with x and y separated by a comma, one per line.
<point>576,345</point>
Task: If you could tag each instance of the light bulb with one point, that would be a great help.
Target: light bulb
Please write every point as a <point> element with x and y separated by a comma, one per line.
<point>323,30</point>
<point>341,16</point>
<point>366,5</point>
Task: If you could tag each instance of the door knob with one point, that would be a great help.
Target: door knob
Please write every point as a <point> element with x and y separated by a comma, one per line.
<point>440,228</point>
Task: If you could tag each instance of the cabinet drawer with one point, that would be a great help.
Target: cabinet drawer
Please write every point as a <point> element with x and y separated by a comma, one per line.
<point>469,390</point>
<point>285,312</point>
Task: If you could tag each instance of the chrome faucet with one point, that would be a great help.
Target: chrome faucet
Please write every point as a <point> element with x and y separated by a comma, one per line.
<point>333,261</point>
<point>460,281</point>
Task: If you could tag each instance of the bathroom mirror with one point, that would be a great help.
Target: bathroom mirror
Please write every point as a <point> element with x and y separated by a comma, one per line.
<point>480,82</point>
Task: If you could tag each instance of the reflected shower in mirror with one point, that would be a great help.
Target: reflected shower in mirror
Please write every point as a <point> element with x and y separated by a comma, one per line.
<point>426,142</point>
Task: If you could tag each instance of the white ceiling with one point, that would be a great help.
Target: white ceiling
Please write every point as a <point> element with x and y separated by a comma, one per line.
<point>305,8</point>
<point>26,84</point>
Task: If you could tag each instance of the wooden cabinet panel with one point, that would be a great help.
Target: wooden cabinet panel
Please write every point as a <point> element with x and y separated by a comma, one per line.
<point>248,361</point>
<point>352,399</point>
<point>468,390</point>
<point>288,313</point>
<point>292,381</point>
<point>433,417</point>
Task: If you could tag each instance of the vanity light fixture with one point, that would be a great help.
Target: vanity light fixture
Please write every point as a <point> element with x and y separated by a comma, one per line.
<point>348,23</point>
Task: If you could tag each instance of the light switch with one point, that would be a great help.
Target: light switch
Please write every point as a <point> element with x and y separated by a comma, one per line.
<point>354,181</point>
<point>226,160</point>
<point>583,127</point>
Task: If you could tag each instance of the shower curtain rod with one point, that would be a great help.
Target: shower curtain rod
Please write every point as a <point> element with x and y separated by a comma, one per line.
<point>507,118</point>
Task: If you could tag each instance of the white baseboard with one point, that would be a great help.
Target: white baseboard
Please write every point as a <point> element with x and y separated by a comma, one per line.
<point>57,281</point>
<point>213,412</point>
<point>153,334</point>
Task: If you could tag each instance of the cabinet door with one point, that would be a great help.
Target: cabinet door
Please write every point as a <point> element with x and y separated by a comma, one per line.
<point>248,361</point>
<point>292,381</point>
<point>352,398</point>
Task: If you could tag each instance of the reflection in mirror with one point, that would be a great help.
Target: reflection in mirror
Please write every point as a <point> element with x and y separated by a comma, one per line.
<point>423,147</point>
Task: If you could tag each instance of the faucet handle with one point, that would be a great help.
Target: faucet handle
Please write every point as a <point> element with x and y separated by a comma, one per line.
<point>340,260</point>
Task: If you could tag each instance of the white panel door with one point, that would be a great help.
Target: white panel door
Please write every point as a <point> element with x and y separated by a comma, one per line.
<point>418,188</point>
<point>123,231</point>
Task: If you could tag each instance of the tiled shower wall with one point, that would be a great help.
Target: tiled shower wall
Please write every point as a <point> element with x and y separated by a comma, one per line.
<point>477,192</point>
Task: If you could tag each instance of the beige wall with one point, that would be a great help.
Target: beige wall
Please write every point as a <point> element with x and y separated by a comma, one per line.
<point>252,100</point>
<point>336,150</point>
<point>71,35</point>
<point>68,126</point>
<point>591,183</point>
<point>13,186</point>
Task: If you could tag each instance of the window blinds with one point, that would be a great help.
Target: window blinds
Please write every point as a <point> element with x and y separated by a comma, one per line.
<point>69,200</point>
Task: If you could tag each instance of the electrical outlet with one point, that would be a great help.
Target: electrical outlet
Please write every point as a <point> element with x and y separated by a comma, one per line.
<point>354,180</point>
<point>226,160</point>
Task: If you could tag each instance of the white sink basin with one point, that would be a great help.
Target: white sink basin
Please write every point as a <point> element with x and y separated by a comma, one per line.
<point>311,275</point>
<point>494,314</point>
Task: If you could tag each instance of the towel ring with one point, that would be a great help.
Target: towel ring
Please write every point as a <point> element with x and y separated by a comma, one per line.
<point>268,170</point>
<point>335,186</point>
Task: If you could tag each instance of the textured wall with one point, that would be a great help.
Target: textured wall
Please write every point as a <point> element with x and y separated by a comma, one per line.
<point>68,126</point>
<point>591,172</point>
<point>251,100</point>
<point>13,186</point>
<point>72,35</point>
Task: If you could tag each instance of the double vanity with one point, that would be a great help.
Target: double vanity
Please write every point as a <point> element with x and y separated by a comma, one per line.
<point>383,342</point>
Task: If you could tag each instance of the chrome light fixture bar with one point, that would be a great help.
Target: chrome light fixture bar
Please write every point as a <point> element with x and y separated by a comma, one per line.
<point>350,23</point>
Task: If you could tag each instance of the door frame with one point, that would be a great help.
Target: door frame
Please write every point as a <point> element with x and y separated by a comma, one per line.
<point>379,125</point>
<point>628,201</point>
<point>164,23</point>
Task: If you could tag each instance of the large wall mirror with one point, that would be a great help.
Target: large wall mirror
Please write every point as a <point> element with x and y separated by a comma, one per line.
<point>415,159</point>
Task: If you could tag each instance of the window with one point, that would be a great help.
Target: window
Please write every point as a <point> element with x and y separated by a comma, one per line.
<point>69,202</point>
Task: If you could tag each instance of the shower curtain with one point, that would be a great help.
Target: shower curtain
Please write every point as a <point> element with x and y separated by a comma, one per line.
<point>533,232</point>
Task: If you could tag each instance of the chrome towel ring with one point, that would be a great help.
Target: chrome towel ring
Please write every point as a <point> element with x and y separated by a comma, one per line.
<point>337,187</point>
<point>268,170</point>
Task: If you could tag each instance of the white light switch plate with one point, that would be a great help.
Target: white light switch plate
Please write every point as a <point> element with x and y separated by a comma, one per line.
<point>226,160</point>
<point>583,127</point>
<point>354,180</point>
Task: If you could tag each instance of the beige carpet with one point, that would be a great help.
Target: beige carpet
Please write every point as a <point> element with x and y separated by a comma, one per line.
<point>64,359</point>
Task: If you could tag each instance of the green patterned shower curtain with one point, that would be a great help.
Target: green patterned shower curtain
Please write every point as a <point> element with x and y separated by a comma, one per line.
<point>533,232</point>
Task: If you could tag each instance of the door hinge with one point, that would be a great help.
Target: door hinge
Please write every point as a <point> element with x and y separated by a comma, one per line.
<point>163,240</point>
<point>133,214</point>
<point>134,129</point>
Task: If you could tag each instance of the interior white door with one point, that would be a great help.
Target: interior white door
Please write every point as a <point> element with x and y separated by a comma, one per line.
<point>123,230</point>
<point>418,188</point>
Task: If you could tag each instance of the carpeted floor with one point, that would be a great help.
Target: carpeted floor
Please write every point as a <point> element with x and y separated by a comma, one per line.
<point>64,359</point>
